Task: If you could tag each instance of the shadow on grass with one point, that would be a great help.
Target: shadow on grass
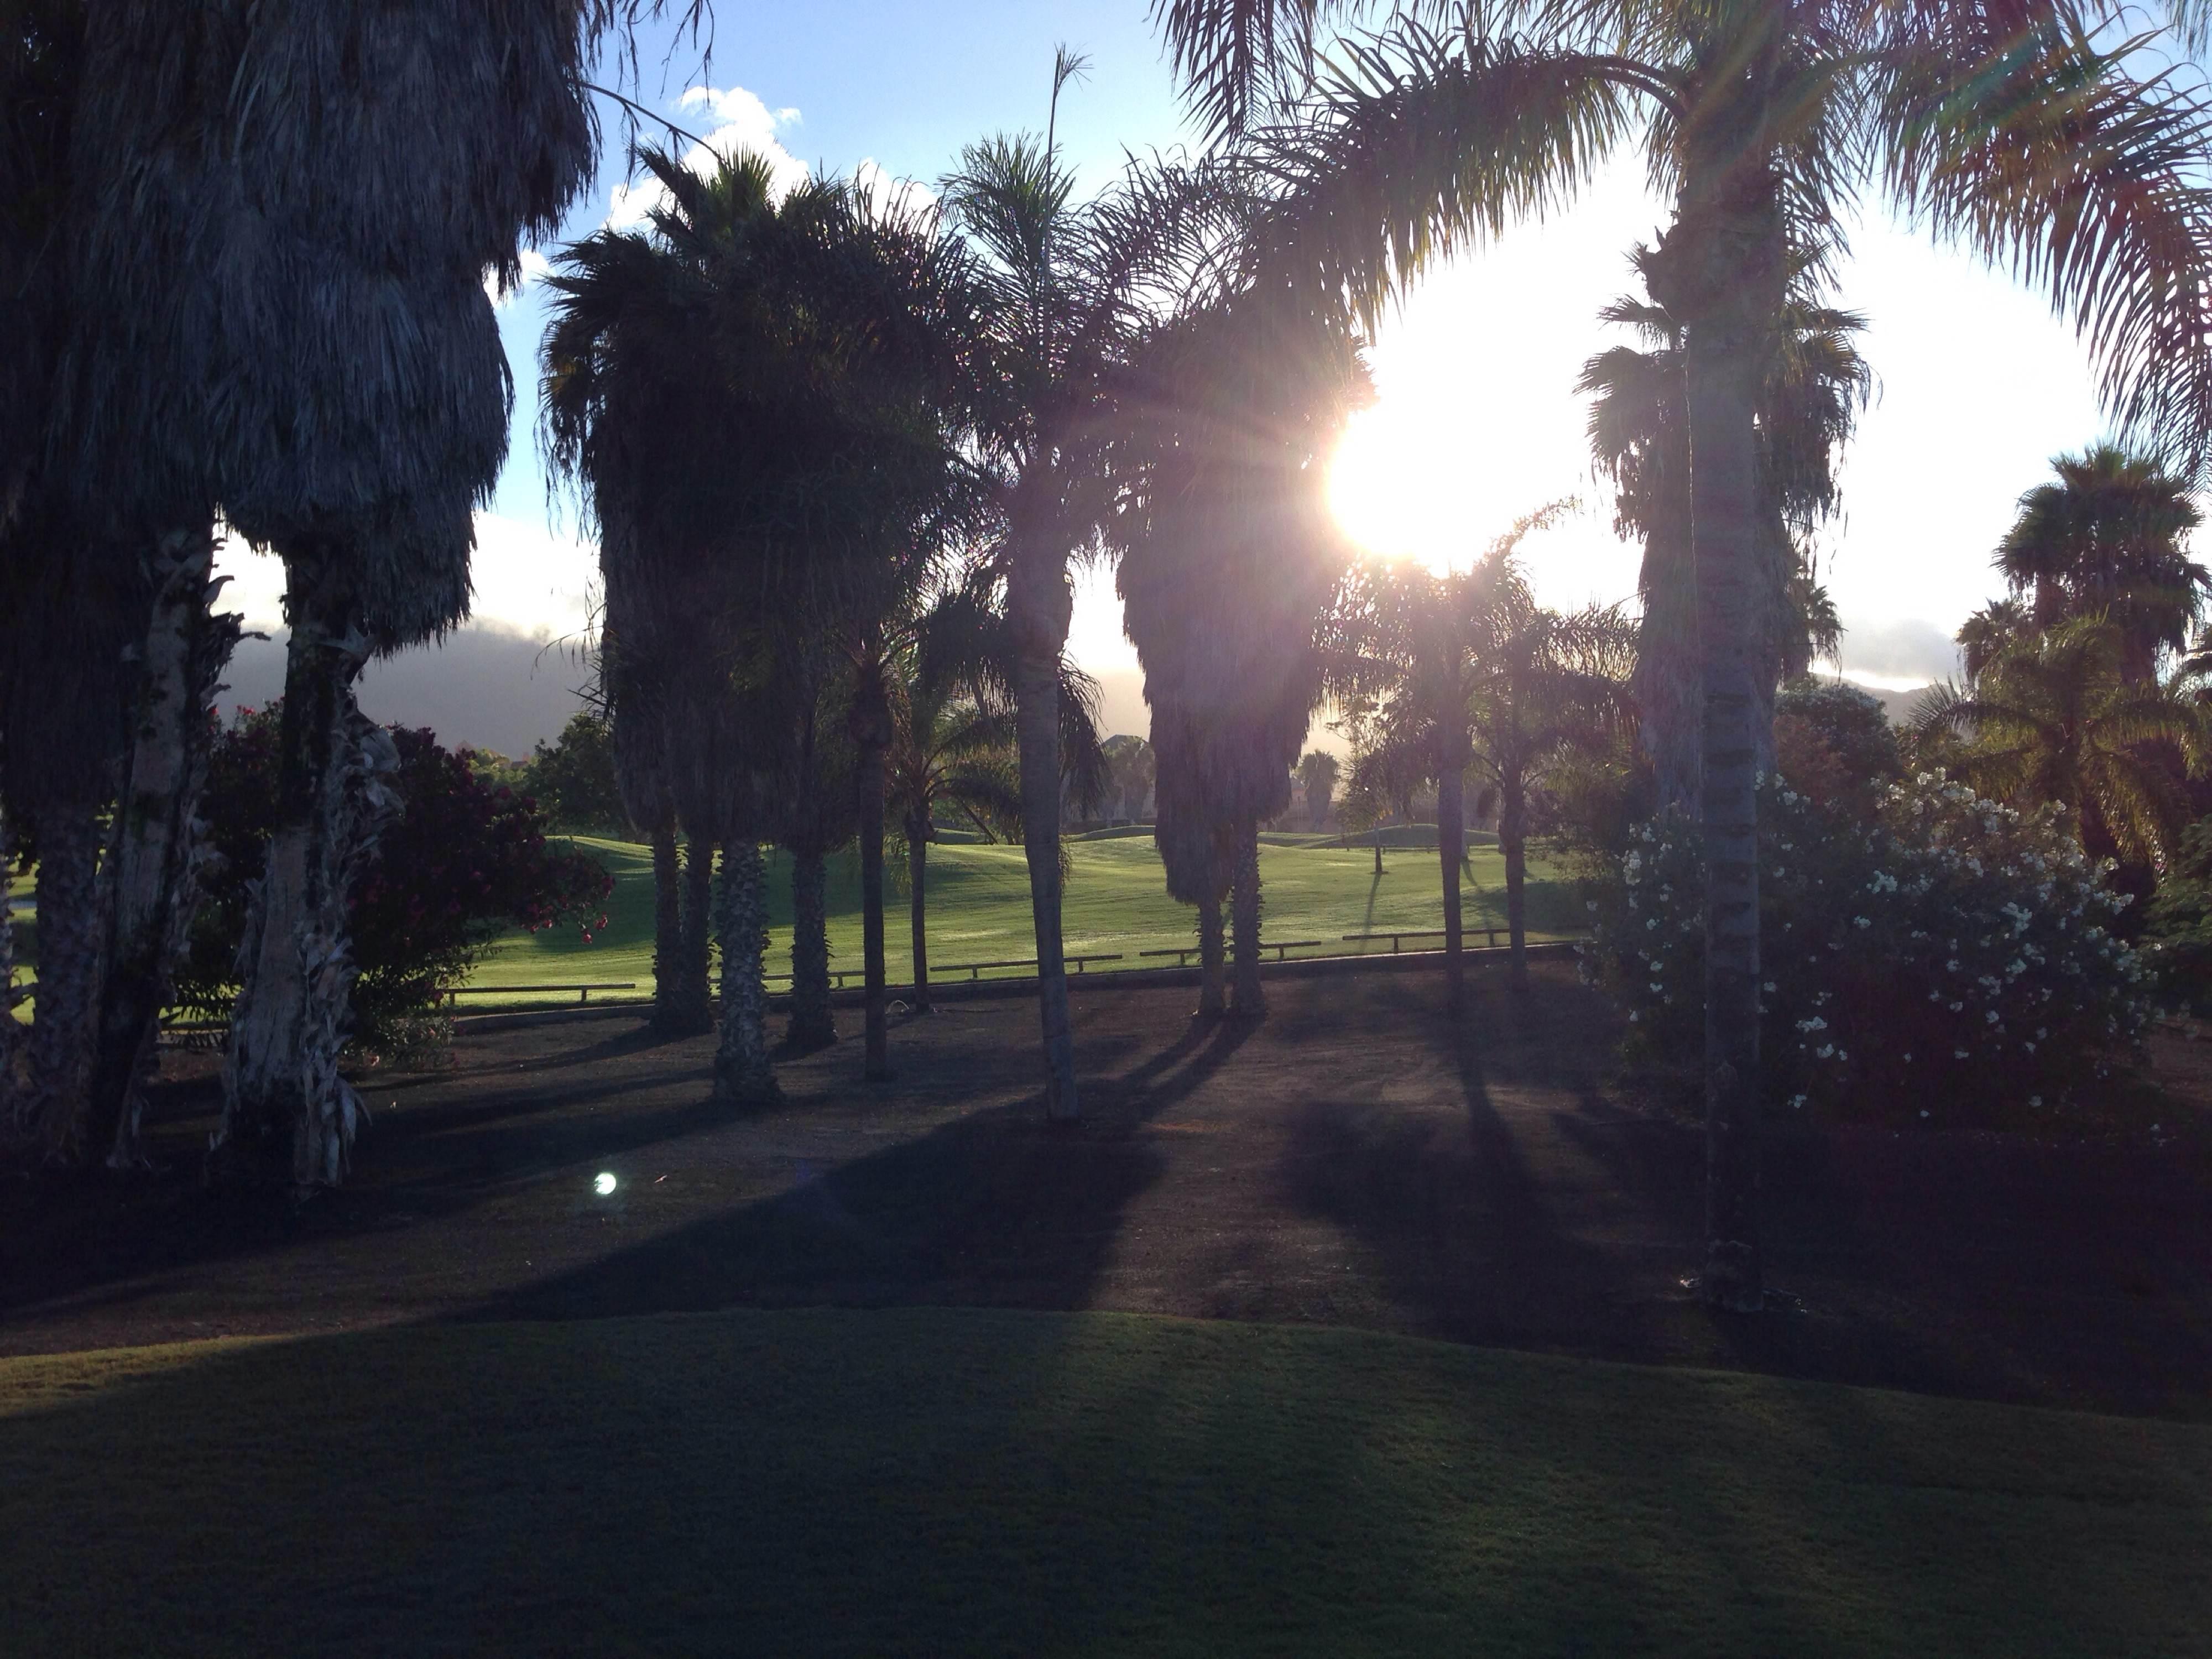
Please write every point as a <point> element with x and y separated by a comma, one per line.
<point>927,1481</point>
<point>996,1207</point>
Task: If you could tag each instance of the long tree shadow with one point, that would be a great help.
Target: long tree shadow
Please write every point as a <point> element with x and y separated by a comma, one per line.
<point>996,1207</point>
<point>1533,1211</point>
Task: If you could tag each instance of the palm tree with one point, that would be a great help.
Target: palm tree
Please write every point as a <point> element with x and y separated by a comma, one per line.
<point>2025,131</point>
<point>1064,288</point>
<point>1229,558</point>
<point>1418,644</point>
<point>808,334</point>
<point>948,753</point>
<point>1318,771</point>
<point>67,610</point>
<point>2106,539</point>
<point>1992,629</point>
<point>2054,718</point>
<point>630,686</point>
<point>261,324</point>
<point>1815,386</point>
<point>1545,683</point>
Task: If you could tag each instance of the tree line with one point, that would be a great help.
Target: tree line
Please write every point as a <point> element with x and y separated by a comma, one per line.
<point>252,289</point>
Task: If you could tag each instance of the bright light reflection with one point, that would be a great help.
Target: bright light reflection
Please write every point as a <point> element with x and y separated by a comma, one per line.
<point>1400,485</point>
<point>603,1183</point>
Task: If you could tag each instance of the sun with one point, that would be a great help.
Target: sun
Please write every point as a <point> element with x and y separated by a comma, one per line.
<point>1400,485</point>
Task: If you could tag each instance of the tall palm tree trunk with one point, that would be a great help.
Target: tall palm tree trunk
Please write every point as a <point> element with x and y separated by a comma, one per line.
<point>1246,999</point>
<point>1725,262</point>
<point>667,919</point>
<point>1513,842</point>
<point>1451,854</point>
<point>1212,1001</point>
<point>289,1118</point>
<point>68,996</point>
<point>1037,604</point>
<point>153,855</point>
<point>877,1065</point>
<point>686,995</point>
<point>917,870</point>
<point>12,1094</point>
<point>813,1023</point>
<point>743,1075</point>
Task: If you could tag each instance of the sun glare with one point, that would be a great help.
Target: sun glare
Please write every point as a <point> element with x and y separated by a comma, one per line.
<point>1399,485</point>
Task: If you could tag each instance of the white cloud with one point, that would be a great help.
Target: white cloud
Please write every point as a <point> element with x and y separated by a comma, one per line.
<point>527,580</point>
<point>745,123</point>
<point>884,190</point>
<point>534,265</point>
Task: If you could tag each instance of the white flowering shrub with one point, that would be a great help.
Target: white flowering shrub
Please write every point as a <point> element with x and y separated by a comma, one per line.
<point>1949,960</point>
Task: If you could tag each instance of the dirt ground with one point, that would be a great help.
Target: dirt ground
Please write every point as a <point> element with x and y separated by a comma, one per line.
<point>1357,1159</point>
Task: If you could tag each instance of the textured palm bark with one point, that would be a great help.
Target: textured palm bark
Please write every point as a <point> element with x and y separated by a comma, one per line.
<point>683,1003</point>
<point>667,914</point>
<point>1669,692</point>
<point>742,1074</point>
<point>13,1097</point>
<point>877,1067</point>
<point>1451,854</point>
<point>813,1023</point>
<point>1723,267</point>
<point>1038,604</point>
<point>289,1118</point>
<point>1212,993</point>
<point>154,851</point>
<point>1246,999</point>
<point>917,873</point>
<point>1513,841</point>
<point>68,996</point>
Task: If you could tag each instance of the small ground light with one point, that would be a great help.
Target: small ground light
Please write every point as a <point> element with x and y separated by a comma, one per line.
<point>603,1183</point>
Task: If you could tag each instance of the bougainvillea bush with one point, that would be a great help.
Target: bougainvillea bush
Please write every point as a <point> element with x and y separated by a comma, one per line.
<point>467,860</point>
<point>1946,961</point>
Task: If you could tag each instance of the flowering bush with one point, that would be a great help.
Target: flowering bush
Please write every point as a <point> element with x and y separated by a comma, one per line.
<point>466,860</point>
<point>1949,960</point>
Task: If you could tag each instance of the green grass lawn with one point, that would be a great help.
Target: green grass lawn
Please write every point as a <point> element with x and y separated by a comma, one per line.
<point>922,1481</point>
<point>978,907</point>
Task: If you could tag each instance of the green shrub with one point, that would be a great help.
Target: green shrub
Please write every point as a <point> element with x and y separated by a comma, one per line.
<point>1948,961</point>
<point>464,861</point>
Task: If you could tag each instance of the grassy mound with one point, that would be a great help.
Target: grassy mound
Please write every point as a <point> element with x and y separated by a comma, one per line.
<point>923,1481</point>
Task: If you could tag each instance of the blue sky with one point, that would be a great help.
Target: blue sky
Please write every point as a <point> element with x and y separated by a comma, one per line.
<point>1478,422</point>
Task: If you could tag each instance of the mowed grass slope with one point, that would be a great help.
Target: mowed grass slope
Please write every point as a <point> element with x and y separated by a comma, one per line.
<point>926,1481</point>
<point>979,908</point>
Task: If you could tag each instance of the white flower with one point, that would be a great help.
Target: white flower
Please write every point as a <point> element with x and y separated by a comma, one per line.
<point>1861,922</point>
<point>1799,1100</point>
<point>1824,1050</point>
<point>2035,1100</point>
<point>1816,1024</point>
<point>1957,1054</point>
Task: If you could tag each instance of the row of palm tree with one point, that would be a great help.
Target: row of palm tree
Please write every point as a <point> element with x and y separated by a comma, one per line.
<point>2043,135</point>
<point>247,290</point>
<point>244,319</point>
<point>1468,678</point>
<point>2081,688</point>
